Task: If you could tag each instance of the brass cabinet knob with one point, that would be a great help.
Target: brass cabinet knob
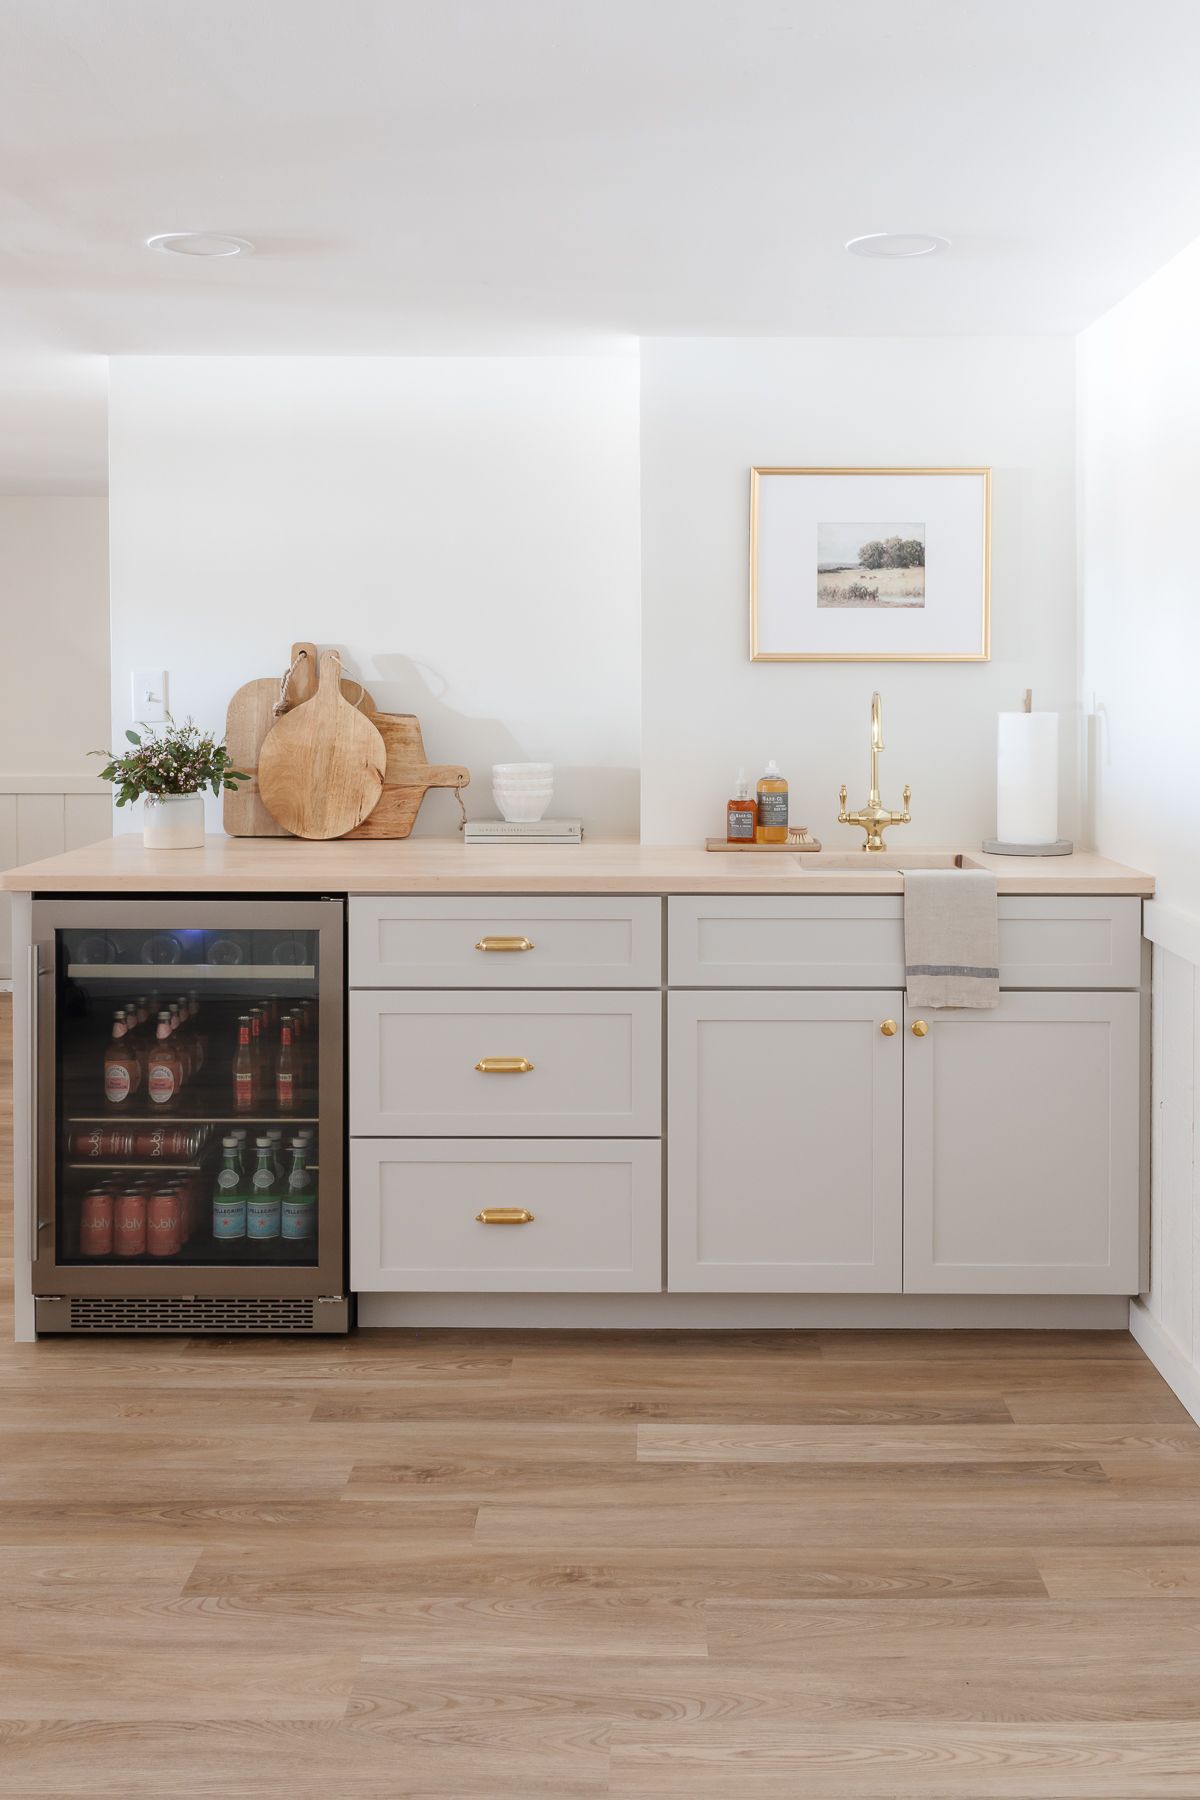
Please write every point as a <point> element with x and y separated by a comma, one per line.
<point>504,1215</point>
<point>504,1065</point>
<point>888,1028</point>
<point>504,943</point>
<point>920,1028</point>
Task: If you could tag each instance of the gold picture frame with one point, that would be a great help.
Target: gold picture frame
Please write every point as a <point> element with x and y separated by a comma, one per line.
<point>982,653</point>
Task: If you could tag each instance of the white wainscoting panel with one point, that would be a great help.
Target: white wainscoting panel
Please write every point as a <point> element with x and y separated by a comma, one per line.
<point>43,815</point>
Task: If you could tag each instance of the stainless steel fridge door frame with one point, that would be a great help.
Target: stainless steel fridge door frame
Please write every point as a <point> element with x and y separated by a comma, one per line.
<point>326,1276</point>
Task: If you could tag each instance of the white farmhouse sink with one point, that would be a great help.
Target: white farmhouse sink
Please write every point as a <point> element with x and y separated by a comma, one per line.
<point>881,862</point>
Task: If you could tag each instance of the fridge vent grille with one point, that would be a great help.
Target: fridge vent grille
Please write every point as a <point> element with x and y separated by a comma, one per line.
<point>102,1314</point>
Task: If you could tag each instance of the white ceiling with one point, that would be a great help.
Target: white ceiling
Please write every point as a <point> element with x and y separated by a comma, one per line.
<point>432,175</point>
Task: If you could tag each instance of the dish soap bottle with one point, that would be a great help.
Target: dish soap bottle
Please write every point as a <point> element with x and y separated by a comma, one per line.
<point>741,814</point>
<point>772,825</point>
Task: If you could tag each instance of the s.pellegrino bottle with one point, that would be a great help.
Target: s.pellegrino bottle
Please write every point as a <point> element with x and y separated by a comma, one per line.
<point>229,1199</point>
<point>300,1199</point>
<point>263,1200</point>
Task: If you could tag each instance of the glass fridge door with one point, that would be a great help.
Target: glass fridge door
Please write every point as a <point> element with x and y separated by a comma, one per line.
<point>196,1079</point>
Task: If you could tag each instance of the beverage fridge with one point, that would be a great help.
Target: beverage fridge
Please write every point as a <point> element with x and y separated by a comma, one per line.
<point>189,1149</point>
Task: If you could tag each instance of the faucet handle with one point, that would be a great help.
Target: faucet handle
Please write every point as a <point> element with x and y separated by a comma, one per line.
<point>904,818</point>
<point>842,819</point>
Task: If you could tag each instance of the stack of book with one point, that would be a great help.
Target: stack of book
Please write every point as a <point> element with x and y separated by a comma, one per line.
<point>516,831</point>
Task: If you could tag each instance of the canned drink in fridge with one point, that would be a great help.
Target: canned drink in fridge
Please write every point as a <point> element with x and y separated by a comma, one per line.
<point>164,1224</point>
<point>96,1224</point>
<point>166,1143</point>
<point>129,1224</point>
<point>99,1144</point>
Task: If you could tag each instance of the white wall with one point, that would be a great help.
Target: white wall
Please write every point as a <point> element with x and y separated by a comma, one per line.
<point>1139,475</point>
<point>54,608</point>
<point>712,409</point>
<point>54,604</point>
<point>466,528</point>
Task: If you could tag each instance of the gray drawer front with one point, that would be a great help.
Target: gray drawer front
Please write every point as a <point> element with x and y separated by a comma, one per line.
<point>431,941</point>
<point>857,941</point>
<point>594,1220</point>
<point>595,1065</point>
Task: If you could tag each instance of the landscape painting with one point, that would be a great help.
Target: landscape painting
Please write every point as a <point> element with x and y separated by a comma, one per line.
<point>870,564</point>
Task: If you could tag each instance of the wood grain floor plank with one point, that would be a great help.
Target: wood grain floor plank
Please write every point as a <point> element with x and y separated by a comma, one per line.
<point>909,1444</point>
<point>889,1762</point>
<point>1125,1573</point>
<point>1083,1517</point>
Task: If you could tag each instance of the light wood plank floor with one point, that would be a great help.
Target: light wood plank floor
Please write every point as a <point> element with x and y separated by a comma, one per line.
<point>489,1566</point>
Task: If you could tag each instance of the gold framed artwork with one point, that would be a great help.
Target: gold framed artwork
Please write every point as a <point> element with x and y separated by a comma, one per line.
<point>870,565</point>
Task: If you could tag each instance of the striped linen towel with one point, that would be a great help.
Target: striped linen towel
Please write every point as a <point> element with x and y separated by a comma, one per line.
<point>951,939</point>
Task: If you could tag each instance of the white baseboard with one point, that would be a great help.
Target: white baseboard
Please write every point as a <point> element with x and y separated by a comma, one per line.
<point>1180,1375</point>
<point>762,1312</point>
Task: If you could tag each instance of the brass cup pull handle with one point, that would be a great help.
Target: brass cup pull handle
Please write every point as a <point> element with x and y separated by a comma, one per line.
<point>504,1215</point>
<point>504,1065</point>
<point>504,943</point>
<point>888,1028</point>
<point>920,1028</point>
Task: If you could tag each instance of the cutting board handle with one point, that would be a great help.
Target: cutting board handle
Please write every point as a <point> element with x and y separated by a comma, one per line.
<point>303,684</point>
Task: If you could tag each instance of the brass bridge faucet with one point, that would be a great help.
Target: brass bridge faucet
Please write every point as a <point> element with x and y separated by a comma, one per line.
<point>874,817</point>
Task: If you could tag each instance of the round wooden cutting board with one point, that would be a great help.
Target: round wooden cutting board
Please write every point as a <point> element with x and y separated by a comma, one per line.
<point>320,770</point>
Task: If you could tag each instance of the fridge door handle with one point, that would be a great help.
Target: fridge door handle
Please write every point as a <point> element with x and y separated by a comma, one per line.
<point>35,1111</point>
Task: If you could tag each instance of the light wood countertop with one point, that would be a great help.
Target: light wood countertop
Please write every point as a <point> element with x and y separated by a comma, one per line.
<point>122,865</point>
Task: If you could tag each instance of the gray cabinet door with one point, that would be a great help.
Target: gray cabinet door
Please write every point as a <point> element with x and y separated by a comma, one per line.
<point>784,1142</point>
<point>1021,1164</point>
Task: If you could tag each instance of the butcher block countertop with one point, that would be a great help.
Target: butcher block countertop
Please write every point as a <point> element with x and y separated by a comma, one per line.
<point>229,865</point>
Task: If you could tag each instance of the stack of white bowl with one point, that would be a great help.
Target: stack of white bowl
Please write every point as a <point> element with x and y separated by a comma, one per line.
<point>522,791</point>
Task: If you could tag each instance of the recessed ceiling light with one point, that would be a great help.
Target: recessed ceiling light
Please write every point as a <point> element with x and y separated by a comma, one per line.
<point>200,243</point>
<point>897,244</point>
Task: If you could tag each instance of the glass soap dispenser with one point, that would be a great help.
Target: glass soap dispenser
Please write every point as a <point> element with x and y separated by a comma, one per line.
<point>741,813</point>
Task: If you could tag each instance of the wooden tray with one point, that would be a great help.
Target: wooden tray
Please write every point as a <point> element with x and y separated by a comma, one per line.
<point>801,841</point>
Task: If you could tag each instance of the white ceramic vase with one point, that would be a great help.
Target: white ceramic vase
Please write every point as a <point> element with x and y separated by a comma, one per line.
<point>173,821</point>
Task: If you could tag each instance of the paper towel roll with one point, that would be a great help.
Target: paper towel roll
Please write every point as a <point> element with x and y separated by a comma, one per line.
<point>1027,778</point>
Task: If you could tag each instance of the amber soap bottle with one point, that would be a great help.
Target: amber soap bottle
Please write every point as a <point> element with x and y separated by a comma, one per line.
<point>741,814</point>
<point>772,826</point>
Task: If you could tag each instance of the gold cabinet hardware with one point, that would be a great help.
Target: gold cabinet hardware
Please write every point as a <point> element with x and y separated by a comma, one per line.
<point>504,1215</point>
<point>504,943</point>
<point>888,1028</point>
<point>920,1028</point>
<point>504,1065</point>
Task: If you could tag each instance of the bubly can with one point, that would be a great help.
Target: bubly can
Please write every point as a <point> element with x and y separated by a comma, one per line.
<point>96,1224</point>
<point>164,1224</point>
<point>129,1225</point>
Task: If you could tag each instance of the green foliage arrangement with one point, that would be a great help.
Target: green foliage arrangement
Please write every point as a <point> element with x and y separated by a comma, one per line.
<point>171,759</point>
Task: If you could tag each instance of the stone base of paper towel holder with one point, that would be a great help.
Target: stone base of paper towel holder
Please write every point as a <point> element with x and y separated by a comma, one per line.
<point>993,847</point>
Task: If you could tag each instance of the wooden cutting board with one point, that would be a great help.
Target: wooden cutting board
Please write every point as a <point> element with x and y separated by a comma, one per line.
<point>407,778</point>
<point>320,771</point>
<point>250,715</point>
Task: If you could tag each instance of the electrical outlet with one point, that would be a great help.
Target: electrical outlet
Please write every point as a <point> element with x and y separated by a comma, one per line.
<point>149,696</point>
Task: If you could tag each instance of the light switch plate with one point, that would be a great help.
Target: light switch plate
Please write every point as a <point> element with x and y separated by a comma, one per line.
<point>149,696</point>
